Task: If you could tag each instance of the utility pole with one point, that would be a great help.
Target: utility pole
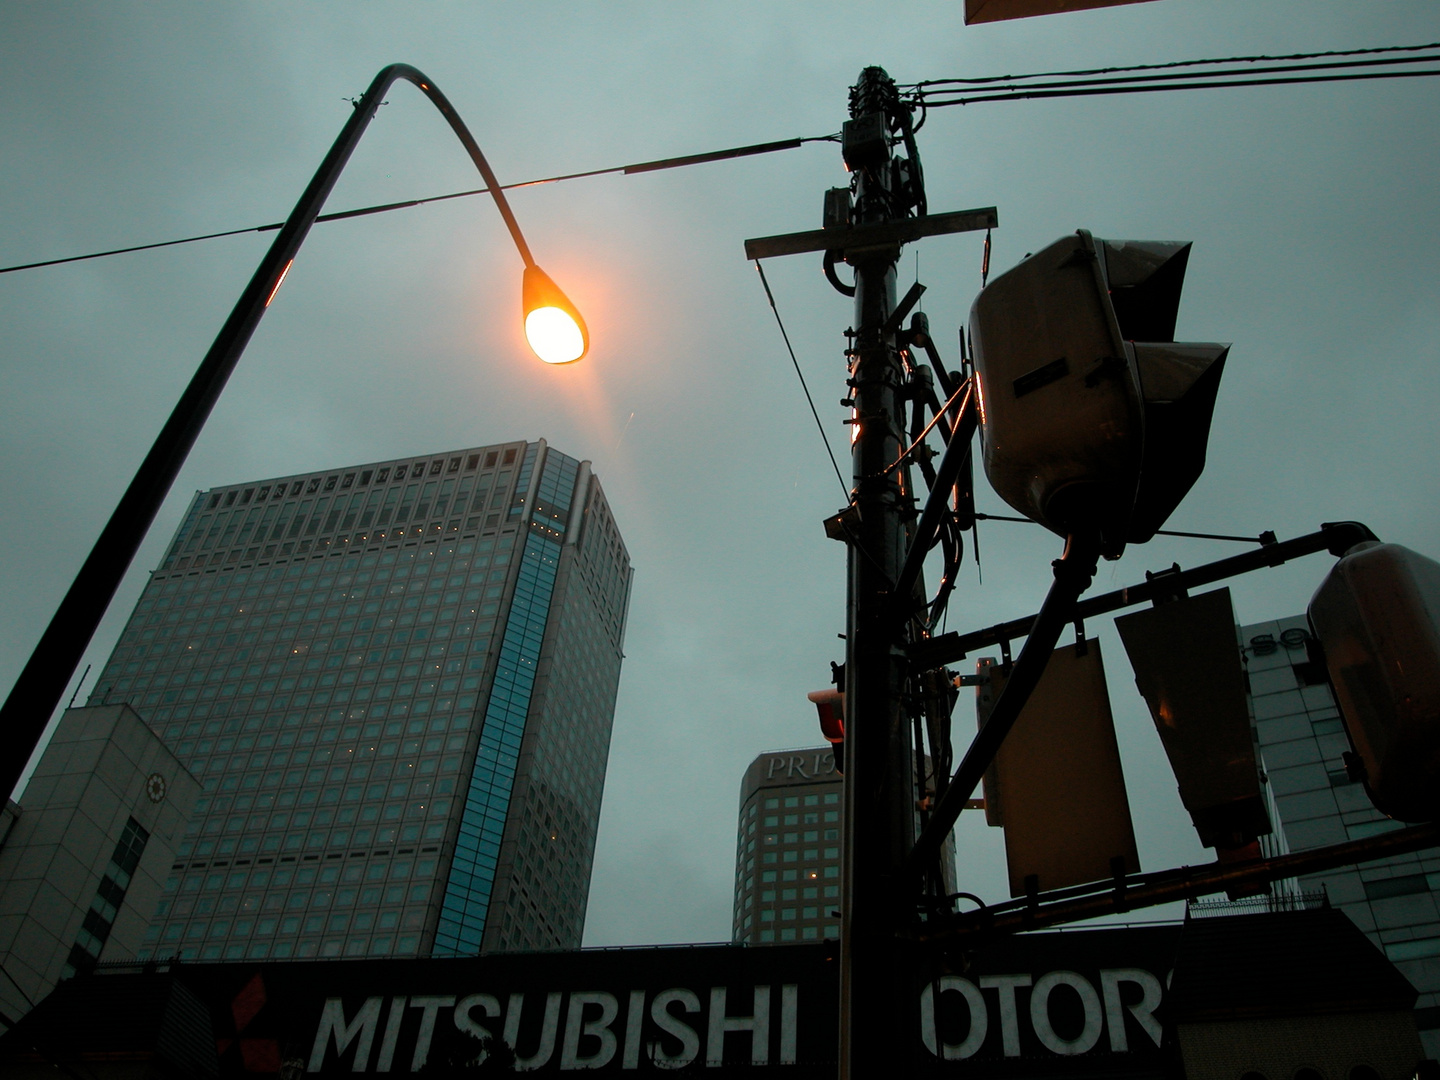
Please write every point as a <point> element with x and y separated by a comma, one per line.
<point>877,1005</point>
<point>865,225</point>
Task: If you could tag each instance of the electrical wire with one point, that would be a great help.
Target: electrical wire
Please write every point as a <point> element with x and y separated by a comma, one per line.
<point>1282,58</point>
<point>382,208</point>
<point>1086,90</point>
<point>923,95</point>
<point>904,454</point>
<point>1013,89</point>
<point>1218,73</point>
<point>803,386</point>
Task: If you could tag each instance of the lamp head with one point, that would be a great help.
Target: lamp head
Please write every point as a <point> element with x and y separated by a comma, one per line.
<point>553,326</point>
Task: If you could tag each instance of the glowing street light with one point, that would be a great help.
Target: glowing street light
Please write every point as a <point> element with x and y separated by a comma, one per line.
<point>553,327</point>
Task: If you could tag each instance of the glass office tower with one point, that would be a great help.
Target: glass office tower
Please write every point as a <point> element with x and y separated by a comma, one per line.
<point>1396,901</point>
<point>787,849</point>
<point>790,811</point>
<point>396,682</point>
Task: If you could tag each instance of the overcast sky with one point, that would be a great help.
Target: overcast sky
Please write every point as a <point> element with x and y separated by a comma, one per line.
<point>1313,211</point>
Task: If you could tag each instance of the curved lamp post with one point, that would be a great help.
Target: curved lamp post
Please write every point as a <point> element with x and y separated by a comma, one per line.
<point>553,327</point>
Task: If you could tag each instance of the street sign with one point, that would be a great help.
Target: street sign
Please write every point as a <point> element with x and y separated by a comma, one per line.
<point>1053,1005</point>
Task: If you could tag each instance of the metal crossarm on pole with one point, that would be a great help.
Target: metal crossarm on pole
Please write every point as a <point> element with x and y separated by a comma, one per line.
<point>876,234</point>
<point>1334,537</point>
<point>1166,886</point>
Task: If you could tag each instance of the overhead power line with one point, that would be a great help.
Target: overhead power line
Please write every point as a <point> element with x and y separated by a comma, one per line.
<point>1283,58</point>
<point>1084,90</point>
<point>1340,65</point>
<point>803,385</point>
<point>382,208</point>
<point>1400,63</point>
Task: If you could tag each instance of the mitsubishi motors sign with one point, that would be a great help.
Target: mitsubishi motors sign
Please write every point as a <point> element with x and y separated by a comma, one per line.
<point>1054,1003</point>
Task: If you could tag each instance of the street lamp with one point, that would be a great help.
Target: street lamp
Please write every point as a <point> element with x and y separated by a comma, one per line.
<point>553,328</point>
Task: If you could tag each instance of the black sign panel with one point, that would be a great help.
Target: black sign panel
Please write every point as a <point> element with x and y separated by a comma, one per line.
<point>1072,1003</point>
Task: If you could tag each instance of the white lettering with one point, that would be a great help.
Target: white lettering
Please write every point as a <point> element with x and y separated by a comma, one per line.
<point>1144,1011</point>
<point>513,1005</point>
<point>547,1030</point>
<point>1009,1017</point>
<point>776,764</point>
<point>332,1022</point>
<point>1040,1013</point>
<point>672,1025</point>
<point>576,1026</point>
<point>392,1035</point>
<point>758,1025</point>
<point>789,1027</point>
<point>797,765</point>
<point>548,1027</point>
<point>979,1018</point>
<point>489,1004</point>
<point>431,1006</point>
<point>634,1025</point>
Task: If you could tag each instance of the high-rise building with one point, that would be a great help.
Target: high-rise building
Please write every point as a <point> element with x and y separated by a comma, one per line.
<point>787,849</point>
<point>396,682</point>
<point>1396,901</point>
<point>787,860</point>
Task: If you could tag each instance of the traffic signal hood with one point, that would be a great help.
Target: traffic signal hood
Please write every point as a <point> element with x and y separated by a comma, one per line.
<point>1377,615</point>
<point>1056,786</point>
<point>1188,668</point>
<point>1091,416</point>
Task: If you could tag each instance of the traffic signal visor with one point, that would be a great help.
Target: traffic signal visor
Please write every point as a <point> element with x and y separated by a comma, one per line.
<point>1056,786</point>
<point>1377,615</point>
<point>1091,416</point>
<point>1188,668</point>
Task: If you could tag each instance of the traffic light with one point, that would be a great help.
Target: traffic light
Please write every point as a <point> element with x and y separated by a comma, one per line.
<point>830,704</point>
<point>1092,417</point>
<point>1188,668</point>
<point>1377,615</point>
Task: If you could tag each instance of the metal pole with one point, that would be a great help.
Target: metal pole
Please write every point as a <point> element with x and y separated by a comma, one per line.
<point>876,1028</point>
<point>42,682</point>
<point>1073,573</point>
<point>1167,886</point>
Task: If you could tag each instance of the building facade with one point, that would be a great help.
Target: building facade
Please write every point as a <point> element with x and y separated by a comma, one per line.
<point>1396,901</point>
<point>396,682</point>
<point>787,860</point>
<point>85,854</point>
<point>787,849</point>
